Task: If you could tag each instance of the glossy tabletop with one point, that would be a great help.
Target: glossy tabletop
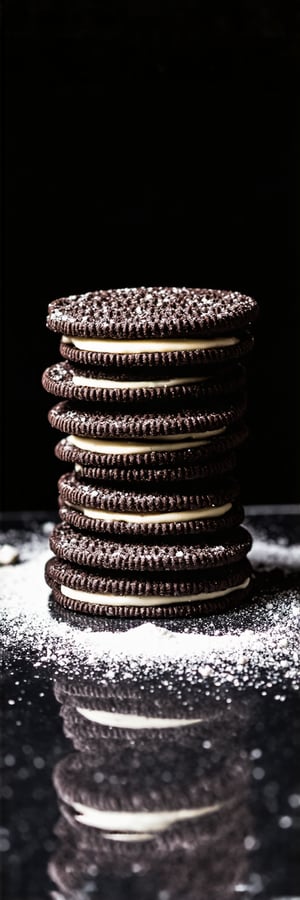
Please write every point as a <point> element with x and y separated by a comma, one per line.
<point>148,761</point>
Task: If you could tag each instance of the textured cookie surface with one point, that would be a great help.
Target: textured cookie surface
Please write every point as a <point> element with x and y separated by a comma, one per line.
<point>127,697</point>
<point>201,526</point>
<point>208,354</point>
<point>92,711</point>
<point>86,550</point>
<point>101,385</point>
<point>120,511</point>
<point>146,312</point>
<point>154,326</point>
<point>147,595</point>
<point>88,469</point>
<point>119,461</point>
<point>146,789</point>
<point>93,421</point>
<point>120,500</point>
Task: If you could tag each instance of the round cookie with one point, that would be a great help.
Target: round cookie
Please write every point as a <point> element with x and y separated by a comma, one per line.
<point>136,595</point>
<point>152,438</point>
<point>204,863</point>
<point>92,506</point>
<point>141,712</point>
<point>85,550</point>
<point>138,805</point>
<point>99,385</point>
<point>232,517</point>
<point>143,788</point>
<point>185,465</point>
<point>209,468</point>
<point>153,326</point>
<point>88,726</point>
<point>87,722</point>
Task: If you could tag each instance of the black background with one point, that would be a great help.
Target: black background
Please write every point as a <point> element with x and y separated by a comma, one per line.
<point>148,143</point>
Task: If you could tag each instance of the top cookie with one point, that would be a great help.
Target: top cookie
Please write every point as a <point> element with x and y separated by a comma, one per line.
<point>147,312</point>
<point>154,327</point>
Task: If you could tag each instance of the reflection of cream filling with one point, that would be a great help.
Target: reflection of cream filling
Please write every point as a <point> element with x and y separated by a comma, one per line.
<point>185,515</point>
<point>129,838</point>
<point>127,720</point>
<point>160,345</point>
<point>79,381</point>
<point>166,442</point>
<point>137,822</point>
<point>144,600</point>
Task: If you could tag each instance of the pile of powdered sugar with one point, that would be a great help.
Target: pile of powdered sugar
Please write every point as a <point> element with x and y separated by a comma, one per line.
<point>258,644</point>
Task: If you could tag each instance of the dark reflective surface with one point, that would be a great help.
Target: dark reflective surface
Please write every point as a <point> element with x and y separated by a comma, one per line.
<point>160,776</point>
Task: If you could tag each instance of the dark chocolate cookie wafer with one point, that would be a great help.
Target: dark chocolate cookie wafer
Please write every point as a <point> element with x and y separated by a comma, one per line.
<point>92,506</point>
<point>171,594</point>
<point>114,356</point>
<point>209,468</point>
<point>208,862</point>
<point>141,718</point>
<point>150,438</point>
<point>135,555</point>
<point>100,385</point>
<point>205,461</point>
<point>93,421</point>
<point>154,326</point>
<point>139,804</point>
<point>87,727</point>
<point>129,711</point>
<point>143,789</point>
<point>231,518</point>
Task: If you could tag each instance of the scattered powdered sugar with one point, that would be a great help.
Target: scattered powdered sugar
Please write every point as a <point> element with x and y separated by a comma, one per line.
<point>270,554</point>
<point>257,645</point>
<point>8,555</point>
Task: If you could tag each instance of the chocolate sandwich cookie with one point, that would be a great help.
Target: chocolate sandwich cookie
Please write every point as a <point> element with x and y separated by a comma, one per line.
<point>88,720</point>
<point>138,713</point>
<point>205,859</point>
<point>87,467</point>
<point>137,555</point>
<point>149,595</point>
<point>211,869</point>
<point>151,438</point>
<point>154,326</point>
<point>87,727</point>
<point>94,507</point>
<point>138,806</point>
<point>107,386</point>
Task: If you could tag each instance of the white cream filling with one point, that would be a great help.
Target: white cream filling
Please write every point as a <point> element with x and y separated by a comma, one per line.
<point>185,515</point>
<point>160,345</point>
<point>144,600</point>
<point>158,443</point>
<point>128,720</point>
<point>80,381</point>
<point>137,822</point>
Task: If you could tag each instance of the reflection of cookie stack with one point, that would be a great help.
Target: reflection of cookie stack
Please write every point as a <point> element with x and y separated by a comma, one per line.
<point>175,812</point>
<point>153,413</point>
<point>93,713</point>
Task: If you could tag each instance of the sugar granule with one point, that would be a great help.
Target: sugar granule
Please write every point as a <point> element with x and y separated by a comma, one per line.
<point>258,644</point>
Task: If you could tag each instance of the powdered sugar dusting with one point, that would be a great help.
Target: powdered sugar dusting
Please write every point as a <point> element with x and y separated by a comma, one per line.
<point>270,554</point>
<point>257,645</point>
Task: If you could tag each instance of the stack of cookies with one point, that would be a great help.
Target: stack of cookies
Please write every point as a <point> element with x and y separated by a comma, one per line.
<point>153,388</point>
